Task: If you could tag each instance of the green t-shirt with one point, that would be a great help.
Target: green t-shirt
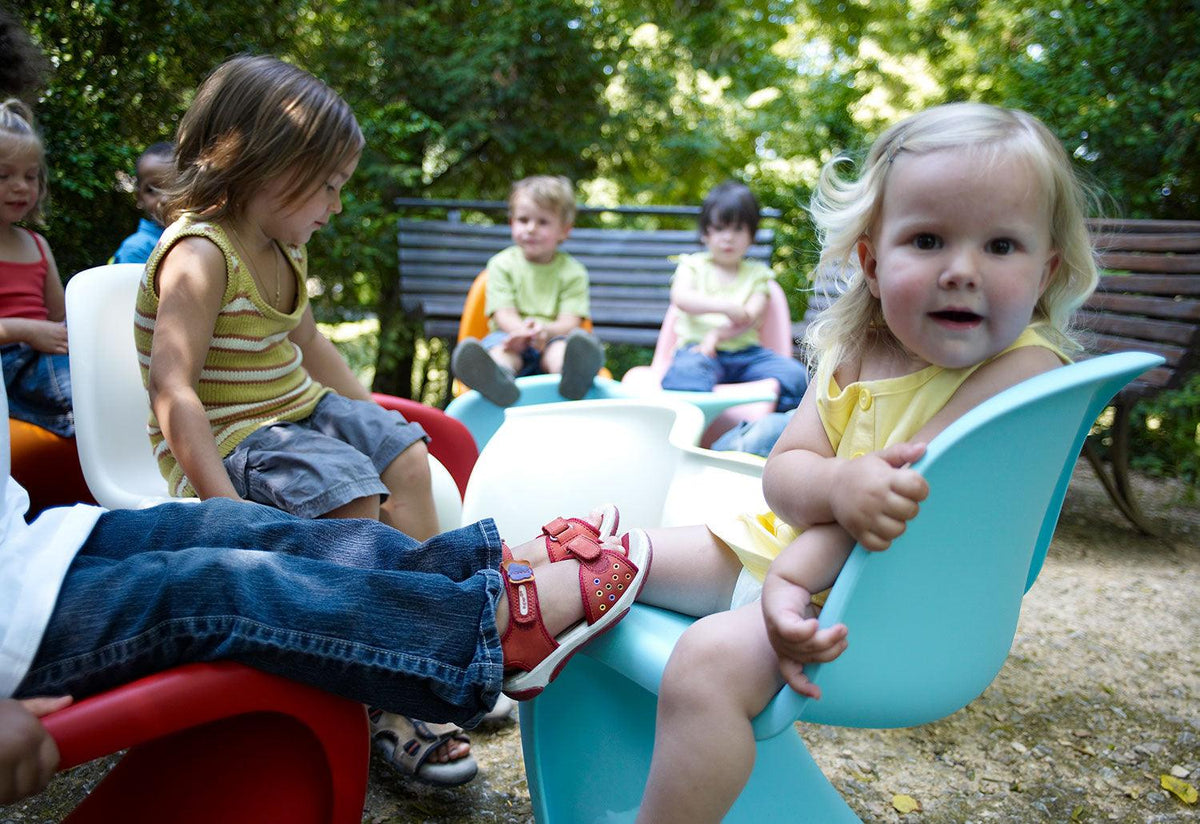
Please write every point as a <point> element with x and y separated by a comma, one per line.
<point>538,290</point>
<point>698,272</point>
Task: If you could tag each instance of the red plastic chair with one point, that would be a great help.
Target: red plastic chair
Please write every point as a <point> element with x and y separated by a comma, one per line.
<point>449,440</point>
<point>218,743</point>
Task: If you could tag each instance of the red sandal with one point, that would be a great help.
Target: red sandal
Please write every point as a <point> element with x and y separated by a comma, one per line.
<point>609,582</point>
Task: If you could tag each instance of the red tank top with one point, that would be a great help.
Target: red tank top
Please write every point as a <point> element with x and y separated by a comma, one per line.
<point>23,286</point>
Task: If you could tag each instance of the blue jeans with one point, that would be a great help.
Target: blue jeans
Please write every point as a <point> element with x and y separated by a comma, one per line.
<point>39,388</point>
<point>349,606</point>
<point>756,437</point>
<point>692,371</point>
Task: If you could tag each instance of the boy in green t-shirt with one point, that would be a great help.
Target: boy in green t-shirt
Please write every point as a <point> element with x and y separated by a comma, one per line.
<point>536,302</point>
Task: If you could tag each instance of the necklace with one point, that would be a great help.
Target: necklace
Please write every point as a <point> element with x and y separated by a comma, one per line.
<point>274,256</point>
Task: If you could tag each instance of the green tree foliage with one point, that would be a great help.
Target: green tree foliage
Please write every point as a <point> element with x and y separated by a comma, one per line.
<point>122,75</point>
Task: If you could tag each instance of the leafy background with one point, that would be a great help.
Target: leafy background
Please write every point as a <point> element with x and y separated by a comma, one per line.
<point>648,102</point>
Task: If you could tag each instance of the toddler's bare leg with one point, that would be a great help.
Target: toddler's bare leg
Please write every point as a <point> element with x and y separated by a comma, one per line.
<point>409,507</point>
<point>693,572</point>
<point>721,674</point>
<point>552,357</point>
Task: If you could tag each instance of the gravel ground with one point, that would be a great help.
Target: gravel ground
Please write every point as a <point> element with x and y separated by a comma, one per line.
<point>1097,703</point>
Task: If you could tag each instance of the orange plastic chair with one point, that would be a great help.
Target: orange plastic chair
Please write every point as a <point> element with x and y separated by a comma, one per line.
<point>474,322</point>
<point>774,333</point>
<point>47,465</point>
<point>218,742</point>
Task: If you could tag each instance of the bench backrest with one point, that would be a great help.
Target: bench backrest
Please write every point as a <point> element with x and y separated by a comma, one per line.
<point>1149,297</point>
<point>629,269</point>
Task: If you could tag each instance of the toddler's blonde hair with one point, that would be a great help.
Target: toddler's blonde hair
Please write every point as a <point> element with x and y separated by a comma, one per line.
<point>18,136</point>
<point>256,119</point>
<point>846,211</point>
<point>553,192</point>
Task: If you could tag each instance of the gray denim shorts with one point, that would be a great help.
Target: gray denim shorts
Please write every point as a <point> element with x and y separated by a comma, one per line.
<point>315,465</point>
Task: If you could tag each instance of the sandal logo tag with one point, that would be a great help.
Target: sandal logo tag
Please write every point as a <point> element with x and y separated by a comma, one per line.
<point>523,600</point>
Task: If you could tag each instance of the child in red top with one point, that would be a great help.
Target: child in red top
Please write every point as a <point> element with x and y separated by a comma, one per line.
<point>33,334</point>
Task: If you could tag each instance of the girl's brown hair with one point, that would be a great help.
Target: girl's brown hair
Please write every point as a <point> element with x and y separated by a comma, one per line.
<point>255,119</point>
<point>18,136</point>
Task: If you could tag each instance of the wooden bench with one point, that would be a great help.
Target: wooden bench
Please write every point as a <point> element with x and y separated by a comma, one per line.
<point>1148,300</point>
<point>629,269</point>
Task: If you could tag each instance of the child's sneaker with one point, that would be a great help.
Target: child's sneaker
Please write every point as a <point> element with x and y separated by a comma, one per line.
<point>582,360</point>
<point>472,365</point>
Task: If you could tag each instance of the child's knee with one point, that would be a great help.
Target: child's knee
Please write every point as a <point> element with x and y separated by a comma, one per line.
<point>409,470</point>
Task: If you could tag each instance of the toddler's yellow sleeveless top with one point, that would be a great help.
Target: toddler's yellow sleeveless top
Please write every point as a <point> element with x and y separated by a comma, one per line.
<point>864,417</point>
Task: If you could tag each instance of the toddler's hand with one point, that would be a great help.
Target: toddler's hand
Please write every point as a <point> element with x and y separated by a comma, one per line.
<point>28,755</point>
<point>708,346</point>
<point>49,337</point>
<point>795,634</point>
<point>876,495</point>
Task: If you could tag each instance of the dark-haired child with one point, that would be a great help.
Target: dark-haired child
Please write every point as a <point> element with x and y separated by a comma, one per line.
<point>721,298</point>
<point>154,171</point>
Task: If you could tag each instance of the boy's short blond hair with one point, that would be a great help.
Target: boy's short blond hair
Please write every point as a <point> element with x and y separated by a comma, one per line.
<point>553,192</point>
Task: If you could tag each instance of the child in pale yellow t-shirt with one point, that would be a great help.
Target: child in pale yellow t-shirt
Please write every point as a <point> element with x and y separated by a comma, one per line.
<point>536,302</point>
<point>722,298</point>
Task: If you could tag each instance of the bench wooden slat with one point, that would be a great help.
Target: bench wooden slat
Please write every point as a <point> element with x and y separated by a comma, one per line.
<point>1148,262</point>
<point>1151,284</point>
<point>1110,343</point>
<point>1182,242</point>
<point>1154,307</point>
<point>1155,329</point>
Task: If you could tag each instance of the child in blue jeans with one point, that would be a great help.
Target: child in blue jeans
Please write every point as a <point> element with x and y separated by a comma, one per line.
<point>721,298</point>
<point>33,332</point>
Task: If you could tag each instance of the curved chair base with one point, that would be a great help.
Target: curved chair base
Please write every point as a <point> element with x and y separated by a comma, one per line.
<point>218,742</point>
<point>786,784</point>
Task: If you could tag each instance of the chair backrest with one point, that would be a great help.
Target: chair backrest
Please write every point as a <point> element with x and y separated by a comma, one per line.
<point>111,405</point>
<point>932,619</point>
<point>775,333</point>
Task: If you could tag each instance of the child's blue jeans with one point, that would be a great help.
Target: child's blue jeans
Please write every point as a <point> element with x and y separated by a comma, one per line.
<point>690,370</point>
<point>350,606</point>
<point>39,388</point>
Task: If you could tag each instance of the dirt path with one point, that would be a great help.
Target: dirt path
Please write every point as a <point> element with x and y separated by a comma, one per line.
<point>1099,699</point>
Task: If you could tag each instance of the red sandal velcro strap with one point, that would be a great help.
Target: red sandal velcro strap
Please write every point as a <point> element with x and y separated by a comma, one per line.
<point>525,643</point>
<point>571,537</point>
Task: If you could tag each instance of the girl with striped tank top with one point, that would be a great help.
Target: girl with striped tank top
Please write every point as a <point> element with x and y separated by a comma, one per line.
<point>249,400</point>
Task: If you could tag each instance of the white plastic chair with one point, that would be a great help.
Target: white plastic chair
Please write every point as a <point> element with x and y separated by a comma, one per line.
<point>112,407</point>
<point>931,619</point>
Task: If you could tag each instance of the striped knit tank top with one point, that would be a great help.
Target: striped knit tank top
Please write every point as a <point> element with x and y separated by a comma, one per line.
<point>252,373</point>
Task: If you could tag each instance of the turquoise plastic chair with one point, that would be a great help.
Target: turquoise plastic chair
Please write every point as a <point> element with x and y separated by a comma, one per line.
<point>931,620</point>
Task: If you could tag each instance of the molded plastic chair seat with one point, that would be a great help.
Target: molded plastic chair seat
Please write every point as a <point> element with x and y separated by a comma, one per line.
<point>931,620</point>
<point>47,465</point>
<point>218,742</point>
<point>111,405</point>
<point>754,399</point>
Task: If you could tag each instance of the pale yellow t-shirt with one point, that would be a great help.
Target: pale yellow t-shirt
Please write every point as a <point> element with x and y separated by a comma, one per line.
<point>864,417</point>
<point>537,290</point>
<point>698,272</point>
